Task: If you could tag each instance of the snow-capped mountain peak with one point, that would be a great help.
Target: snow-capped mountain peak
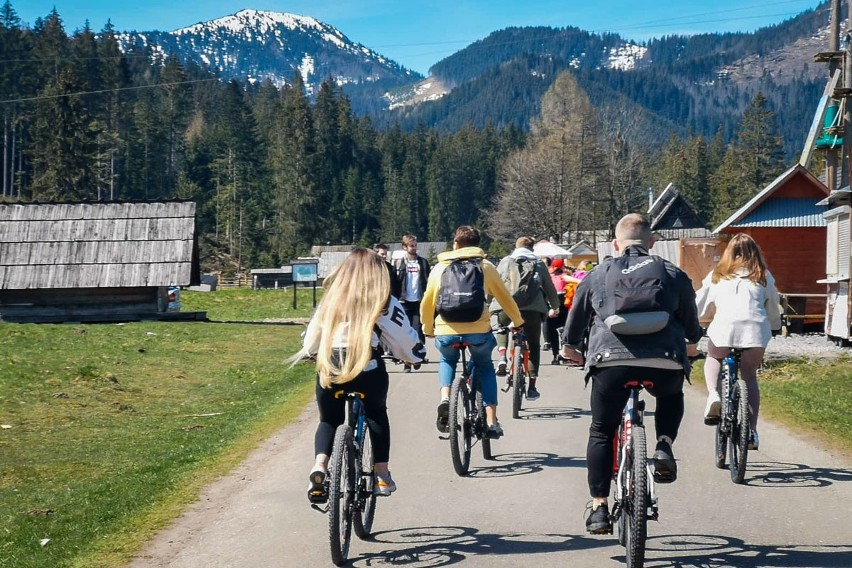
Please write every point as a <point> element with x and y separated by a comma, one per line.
<point>254,45</point>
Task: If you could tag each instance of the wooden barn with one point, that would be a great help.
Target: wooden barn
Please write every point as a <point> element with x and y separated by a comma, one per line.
<point>787,222</point>
<point>94,261</point>
<point>838,257</point>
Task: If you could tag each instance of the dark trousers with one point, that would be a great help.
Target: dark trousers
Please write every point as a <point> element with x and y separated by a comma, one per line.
<point>552,325</point>
<point>532,329</point>
<point>607,401</point>
<point>412,310</point>
<point>332,411</point>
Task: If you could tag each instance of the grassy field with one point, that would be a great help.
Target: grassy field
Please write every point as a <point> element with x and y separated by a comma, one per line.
<point>813,398</point>
<point>108,431</point>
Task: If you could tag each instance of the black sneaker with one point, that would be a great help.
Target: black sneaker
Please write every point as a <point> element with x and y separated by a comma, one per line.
<point>501,367</point>
<point>545,347</point>
<point>665,466</point>
<point>442,423</point>
<point>494,432</point>
<point>417,366</point>
<point>406,368</point>
<point>532,394</point>
<point>599,521</point>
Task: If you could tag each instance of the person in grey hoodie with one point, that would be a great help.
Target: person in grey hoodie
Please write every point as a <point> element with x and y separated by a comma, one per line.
<point>534,310</point>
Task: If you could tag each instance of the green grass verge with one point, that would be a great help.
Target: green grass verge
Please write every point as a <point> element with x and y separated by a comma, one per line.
<point>810,397</point>
<point>109,431</point>
<point>245,304</point>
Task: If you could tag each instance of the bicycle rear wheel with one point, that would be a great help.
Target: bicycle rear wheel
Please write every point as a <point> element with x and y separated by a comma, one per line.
<point>365,512</point>
<point>637,502</point>
<point>518,380</point>
<point>482,426</point>
<point>740,431</point>
<point>723,427</point>
<point>340,494</point>
<point>461,426</point>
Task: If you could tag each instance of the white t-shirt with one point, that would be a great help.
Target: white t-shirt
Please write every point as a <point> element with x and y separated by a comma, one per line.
<point>411,291</point>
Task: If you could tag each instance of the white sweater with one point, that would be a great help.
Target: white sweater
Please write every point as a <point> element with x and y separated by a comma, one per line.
<point>746,312</point>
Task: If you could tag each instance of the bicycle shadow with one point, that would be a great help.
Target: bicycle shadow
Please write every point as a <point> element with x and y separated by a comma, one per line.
<point>445,546</point>
<point>716,551</point>
<point>780,474</point>
<point>511,465</point>
<point>537,413</point>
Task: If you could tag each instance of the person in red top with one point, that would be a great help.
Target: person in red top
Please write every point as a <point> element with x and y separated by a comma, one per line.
<point>553,325</point>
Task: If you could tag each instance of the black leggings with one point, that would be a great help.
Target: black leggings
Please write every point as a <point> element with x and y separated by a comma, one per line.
<point>608,399</point>
<point>332,411</point>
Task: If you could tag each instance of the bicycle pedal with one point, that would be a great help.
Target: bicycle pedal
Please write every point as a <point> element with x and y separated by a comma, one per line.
<point>316,507</point>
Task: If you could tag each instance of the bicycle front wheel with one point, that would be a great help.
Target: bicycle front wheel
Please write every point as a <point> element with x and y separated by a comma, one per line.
<point>365,511</point>
<point>461,426</point>
<point>518,381</point>
<point>740,431</point>
<point>341,491</point>
<point>637,501</point>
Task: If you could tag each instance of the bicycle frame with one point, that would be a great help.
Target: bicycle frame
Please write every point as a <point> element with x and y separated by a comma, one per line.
<point>634,414</point>
<point>519,339</point>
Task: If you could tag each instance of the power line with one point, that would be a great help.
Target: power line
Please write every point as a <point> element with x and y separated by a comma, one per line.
<point>117,89</point>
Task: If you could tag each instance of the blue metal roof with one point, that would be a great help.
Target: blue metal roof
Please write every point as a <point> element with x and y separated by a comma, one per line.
<point>785,212</point>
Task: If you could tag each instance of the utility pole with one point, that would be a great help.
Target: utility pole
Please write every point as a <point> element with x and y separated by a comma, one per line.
<point>833,47</point>
<point>847,114</point>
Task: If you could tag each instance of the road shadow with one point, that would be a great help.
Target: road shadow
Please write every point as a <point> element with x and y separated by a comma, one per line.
<point>569,413</point>
<point>509,465</point>
<point>445,546</point>
<point>781,474</point>
<point>713,551</point>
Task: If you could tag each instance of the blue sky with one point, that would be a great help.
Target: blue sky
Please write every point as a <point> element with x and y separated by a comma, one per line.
<point>418,33</point>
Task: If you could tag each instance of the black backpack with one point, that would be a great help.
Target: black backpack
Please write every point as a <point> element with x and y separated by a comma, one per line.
<point>638,295</point>
<point>524,282</point>
<point>462,294</point>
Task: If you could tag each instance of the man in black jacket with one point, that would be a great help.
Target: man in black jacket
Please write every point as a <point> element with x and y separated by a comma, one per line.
<point>412,273</point>
<point>613,358</point>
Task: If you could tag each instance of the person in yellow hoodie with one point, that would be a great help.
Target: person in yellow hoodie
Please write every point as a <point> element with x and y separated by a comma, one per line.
<point>476,333</point>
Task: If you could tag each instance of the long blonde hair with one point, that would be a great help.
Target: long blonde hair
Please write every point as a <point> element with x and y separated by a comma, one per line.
<point>356,294</point>
<point>742,253</point>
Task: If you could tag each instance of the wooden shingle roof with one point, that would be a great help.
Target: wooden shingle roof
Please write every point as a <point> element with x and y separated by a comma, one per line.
<point>97,245</point>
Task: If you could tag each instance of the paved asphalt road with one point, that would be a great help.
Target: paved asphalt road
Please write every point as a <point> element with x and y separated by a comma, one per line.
<point>524,508</point>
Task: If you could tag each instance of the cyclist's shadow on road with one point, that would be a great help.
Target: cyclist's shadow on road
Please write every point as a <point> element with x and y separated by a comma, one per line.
<point>524,463</point>
<point>567,413</point>
<point>445,546</point>
<point>769,474</point>
<point>700,551</point>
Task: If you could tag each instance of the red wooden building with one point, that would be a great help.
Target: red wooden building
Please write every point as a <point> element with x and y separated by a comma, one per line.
<point>787,223</point>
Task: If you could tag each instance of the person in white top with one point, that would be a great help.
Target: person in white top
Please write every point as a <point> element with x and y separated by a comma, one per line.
<point>747,310</point>
<point>356,314</point>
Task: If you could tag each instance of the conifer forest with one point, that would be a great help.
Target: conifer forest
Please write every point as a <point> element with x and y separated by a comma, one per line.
<point>274,171</point>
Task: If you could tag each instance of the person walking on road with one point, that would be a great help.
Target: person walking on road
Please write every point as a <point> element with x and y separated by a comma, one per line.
<point>342,338</point>
<point>473,327</point>
<point>626,345</point>
<point>412,273</point>
<point>747,311</point>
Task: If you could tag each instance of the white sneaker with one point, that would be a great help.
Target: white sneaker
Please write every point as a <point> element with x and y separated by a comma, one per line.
<point>713,408</point>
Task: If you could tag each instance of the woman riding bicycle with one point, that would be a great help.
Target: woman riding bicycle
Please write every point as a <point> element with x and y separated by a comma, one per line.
<point>343,336</point>
<point>747,308</point>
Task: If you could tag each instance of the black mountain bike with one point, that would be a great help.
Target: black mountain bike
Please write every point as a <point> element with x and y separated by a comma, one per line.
<point>635,499</point>
<point>520,369</point>
<point>467,415</point>
<point>351,478</point>
<point>733,429</point>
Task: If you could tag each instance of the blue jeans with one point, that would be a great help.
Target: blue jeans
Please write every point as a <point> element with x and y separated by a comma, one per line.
<point>481,346</point>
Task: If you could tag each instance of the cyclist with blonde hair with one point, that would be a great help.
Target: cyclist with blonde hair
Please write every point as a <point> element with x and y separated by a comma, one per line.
<point>356,314</point>
<point>747,310</point>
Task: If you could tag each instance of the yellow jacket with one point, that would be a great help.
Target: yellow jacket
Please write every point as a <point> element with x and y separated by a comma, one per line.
<point>493,284</point>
